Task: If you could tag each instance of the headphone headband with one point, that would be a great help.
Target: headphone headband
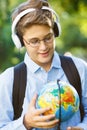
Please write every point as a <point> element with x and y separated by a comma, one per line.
<point>20,15</point>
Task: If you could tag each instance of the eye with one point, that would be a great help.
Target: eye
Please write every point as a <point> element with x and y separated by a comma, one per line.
<point>48,37</point>
<point>34,41</point>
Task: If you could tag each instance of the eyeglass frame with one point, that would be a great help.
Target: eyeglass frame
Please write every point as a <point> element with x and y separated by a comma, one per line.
<point>39,40</point>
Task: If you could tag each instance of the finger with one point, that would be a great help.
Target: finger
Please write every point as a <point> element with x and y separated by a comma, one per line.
<point>42,110</point>
<point>44,118</point>
<point>68,128</point>
<point>74,128</point>
<point>47,124</point>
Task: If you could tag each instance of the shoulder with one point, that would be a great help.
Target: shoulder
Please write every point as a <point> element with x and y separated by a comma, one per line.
<point>7,71</point>
<point>6,82</point>
<point>81,65</point>
<point>7,75</point>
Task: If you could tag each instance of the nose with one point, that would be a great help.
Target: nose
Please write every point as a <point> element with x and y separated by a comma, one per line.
<point>42,45</point>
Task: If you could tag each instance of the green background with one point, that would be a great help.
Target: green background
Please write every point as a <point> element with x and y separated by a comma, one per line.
<point>73,20</point>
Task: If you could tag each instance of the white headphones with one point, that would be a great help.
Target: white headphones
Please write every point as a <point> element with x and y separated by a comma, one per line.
<point>15,37</point>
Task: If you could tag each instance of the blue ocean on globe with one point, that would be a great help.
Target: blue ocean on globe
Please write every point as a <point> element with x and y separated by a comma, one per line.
<point>61,97</point>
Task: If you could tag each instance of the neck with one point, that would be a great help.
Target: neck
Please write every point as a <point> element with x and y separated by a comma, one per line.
<point>46,67</point>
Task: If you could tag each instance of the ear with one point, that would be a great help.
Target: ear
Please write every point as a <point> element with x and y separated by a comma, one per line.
<point>57,29</point>
<point>16,40</point>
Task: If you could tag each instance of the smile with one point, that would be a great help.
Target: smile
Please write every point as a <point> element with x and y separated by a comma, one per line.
<point>44,54</point>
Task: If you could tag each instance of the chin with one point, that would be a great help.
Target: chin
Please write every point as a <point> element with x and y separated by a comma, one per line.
<point>45,61</point>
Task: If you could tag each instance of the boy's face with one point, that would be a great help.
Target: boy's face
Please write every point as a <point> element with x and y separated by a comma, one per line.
<point>42,52</point>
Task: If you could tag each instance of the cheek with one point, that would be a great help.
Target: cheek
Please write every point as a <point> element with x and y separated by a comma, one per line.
<point>54,44</point>
<point>31,52</point>
<point>52,47</point>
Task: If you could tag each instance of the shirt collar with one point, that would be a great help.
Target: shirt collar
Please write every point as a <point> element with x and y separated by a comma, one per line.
<point>33,67</point>
<point>56,61</point>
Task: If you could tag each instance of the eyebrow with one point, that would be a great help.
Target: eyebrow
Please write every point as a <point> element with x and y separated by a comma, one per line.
<point>38,37</point>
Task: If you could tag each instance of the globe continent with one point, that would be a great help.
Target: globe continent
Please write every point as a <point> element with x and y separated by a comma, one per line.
<point>61,97</point>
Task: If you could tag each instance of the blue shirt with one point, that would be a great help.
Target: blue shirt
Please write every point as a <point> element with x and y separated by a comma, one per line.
<point>36,78</point>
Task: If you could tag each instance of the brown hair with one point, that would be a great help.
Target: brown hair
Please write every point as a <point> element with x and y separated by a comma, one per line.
<point>38,16</point>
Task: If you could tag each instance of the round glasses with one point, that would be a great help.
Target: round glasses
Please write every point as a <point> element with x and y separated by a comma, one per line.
<point>35,42</point>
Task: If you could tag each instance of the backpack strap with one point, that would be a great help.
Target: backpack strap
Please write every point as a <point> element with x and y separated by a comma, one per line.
<point>73,77</point>
<point>19,87</point>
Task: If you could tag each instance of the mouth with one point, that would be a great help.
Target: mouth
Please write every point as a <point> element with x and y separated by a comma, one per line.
<point>44,54</point>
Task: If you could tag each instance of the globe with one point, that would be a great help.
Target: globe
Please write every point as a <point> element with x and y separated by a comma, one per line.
<point>61,97</point>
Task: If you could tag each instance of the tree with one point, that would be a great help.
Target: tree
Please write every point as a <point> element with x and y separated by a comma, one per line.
<point>73,20</point>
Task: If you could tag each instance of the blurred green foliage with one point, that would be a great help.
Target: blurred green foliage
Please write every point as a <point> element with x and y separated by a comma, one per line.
<point>73,19</point>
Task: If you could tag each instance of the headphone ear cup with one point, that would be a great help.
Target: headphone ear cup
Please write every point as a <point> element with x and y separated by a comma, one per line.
<point>56,29</point>
<point>16,41</point>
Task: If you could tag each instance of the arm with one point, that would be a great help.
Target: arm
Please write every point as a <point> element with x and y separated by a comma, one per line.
<point>6,109</point>
<point>32,117</point>
<point>82,68</point>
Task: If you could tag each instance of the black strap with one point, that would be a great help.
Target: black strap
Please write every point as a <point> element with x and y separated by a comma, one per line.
<point>19,85</point>
<point>73,77</point>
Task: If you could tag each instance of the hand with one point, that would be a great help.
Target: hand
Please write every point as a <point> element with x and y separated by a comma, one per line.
<point>35,118</point>
<point>74,128</point>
